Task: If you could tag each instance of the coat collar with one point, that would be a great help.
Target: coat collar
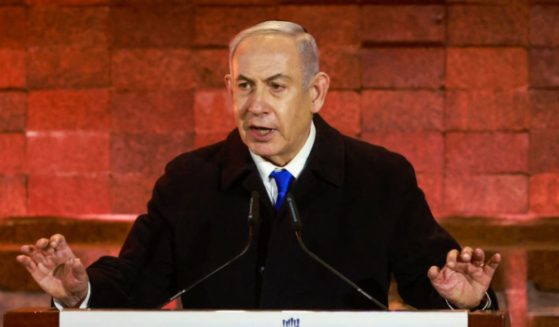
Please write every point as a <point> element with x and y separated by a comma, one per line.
<point>326,159</point>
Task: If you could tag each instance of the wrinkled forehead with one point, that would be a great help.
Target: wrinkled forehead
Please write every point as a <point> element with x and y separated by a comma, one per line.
<point>266,53</point>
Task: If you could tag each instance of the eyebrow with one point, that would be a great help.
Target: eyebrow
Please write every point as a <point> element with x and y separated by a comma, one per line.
<point>271,78</point>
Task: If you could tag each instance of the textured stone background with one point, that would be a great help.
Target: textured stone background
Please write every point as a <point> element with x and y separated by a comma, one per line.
<point>97,95</point>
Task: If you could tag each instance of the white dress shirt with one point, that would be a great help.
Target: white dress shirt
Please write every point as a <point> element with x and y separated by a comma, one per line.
<point>295,166</point>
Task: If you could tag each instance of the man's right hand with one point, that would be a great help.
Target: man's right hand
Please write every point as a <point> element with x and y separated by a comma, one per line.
<point>53,265</point>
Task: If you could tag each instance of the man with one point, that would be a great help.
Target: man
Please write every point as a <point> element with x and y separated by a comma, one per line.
<point>360,206</point>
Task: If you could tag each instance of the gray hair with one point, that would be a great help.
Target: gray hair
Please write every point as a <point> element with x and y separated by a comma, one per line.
<point>306,43</point>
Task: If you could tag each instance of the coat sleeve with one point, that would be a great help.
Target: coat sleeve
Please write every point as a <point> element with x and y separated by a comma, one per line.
<point>143,275</point>
<point>418,243</point>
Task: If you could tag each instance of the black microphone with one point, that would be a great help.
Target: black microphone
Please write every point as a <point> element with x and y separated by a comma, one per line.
<point>297,227</point>
<point>253,220</point>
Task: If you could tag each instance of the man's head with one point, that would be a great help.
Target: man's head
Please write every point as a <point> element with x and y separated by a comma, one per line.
<point>276,87</point>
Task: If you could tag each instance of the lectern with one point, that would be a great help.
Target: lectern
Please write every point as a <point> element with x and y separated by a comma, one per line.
<point>48,317</point>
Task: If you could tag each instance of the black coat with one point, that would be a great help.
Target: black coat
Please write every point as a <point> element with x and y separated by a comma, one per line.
<point>361,209</point>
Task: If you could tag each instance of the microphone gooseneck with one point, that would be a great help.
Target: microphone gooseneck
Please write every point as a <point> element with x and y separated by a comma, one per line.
<point>297,227</point>
<point>253,220</point>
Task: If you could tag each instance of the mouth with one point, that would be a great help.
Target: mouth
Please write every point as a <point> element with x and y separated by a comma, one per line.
<point>261,133</point>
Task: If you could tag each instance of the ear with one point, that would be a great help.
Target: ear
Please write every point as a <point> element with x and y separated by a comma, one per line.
<point>228,83</point>
<point>318,89</point>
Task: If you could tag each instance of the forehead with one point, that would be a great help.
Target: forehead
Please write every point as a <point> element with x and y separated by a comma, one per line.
<point>268,53</point>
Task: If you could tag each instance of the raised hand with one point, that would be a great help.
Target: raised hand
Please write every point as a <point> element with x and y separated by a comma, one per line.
<point>53,265</point>
<point>465,277</point>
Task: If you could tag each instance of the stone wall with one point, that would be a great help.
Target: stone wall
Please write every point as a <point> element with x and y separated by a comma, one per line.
<point>96,95</point>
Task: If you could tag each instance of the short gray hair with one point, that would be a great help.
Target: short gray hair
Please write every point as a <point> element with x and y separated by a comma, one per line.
<point>306,44</point>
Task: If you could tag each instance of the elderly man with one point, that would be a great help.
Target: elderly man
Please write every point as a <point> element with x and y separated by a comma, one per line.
<point>360,206</point>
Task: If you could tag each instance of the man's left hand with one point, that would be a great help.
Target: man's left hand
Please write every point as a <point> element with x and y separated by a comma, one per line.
<point>465,277</point>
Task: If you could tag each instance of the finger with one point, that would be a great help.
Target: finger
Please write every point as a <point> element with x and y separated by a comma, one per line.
<point>27,262</point>
<point>433,272</point>
<point>78,270</point>
<point>493,263</point>
<point>26,249</point>
<point>58,241</point>
<point>478,258</point>
<point>451,258</point>
<point>466,254</point>
<point>42,243</point>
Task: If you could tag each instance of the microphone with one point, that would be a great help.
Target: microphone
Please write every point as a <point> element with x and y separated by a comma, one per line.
<point>298,227</point>
<point>253,220</point>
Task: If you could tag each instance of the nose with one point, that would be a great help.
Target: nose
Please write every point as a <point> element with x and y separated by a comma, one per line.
<point>258,103</point>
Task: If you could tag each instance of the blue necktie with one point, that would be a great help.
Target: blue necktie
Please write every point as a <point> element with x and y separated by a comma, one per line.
<point>283,178</point>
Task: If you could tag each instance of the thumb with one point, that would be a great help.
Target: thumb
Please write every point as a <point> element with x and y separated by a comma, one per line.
<point>78,270</point>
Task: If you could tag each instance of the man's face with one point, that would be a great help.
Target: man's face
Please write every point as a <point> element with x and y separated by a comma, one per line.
<point>273,110</point>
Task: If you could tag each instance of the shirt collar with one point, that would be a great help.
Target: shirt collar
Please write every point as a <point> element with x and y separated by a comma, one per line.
<point>295,166</point>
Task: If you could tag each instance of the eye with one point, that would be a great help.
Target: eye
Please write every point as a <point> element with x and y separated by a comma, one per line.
<point>277,87</point>
<point>244,86</point>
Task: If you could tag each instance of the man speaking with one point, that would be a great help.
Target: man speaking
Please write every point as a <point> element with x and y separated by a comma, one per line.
<point>360,212</point>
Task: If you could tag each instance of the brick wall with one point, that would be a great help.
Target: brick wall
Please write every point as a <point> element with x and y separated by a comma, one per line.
<point>96,95</point>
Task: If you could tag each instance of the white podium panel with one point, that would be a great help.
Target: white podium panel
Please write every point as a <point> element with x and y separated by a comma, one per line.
<point>108,318</point>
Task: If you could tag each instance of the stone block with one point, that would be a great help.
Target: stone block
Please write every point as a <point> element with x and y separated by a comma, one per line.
<point>544,67</point>
<point>156,112</point>
<point>342,110</point>
<point>545,109</point>
<point>76,194</point>
<point>129,193</point>
<point>403,111</point>
<point>13,108</point>
<point>342,64</point>
<point>67,2</point>
<point>68,67</point>
<point>68,152</point>
<point>213,112</point>
<point>542,269</point>
<point>152,69</point>
<point>544,147</point>
<point>485,194</point>
<point>68,110</point>
<point>486,68</point>
<point>12,66</point>
<point>403,23</point>
<point>496,153</point>
<point>403,67</point>
<point>423,149</point>
<point>543,320</point>
<point>26,230</point>
<point>12,153</point>
<point>544,26</point>
<point>544,194</point>
<point>488,25</point>
<point>487,110</point>
<point>146,153</point>
<point>216,26</point>
<point>68,26</point>
<point>13,24</point>
<point>325,22</point>
<point>13,195</point>
<point>156,26</point>
<point>211,67</point>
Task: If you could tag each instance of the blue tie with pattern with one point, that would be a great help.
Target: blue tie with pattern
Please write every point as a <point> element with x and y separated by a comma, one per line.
<point>283,178</point>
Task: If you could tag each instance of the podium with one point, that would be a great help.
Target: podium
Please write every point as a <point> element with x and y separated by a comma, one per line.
<point>48,317</point>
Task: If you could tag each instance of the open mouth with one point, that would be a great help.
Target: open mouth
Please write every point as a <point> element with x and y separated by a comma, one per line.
<point>261,131</point>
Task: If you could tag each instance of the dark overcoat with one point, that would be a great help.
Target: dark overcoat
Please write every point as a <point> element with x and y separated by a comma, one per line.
<point>361,210</point>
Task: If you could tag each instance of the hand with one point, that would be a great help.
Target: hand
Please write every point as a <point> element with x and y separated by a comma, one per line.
<point>53,265</point>
<point>465,277</point>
